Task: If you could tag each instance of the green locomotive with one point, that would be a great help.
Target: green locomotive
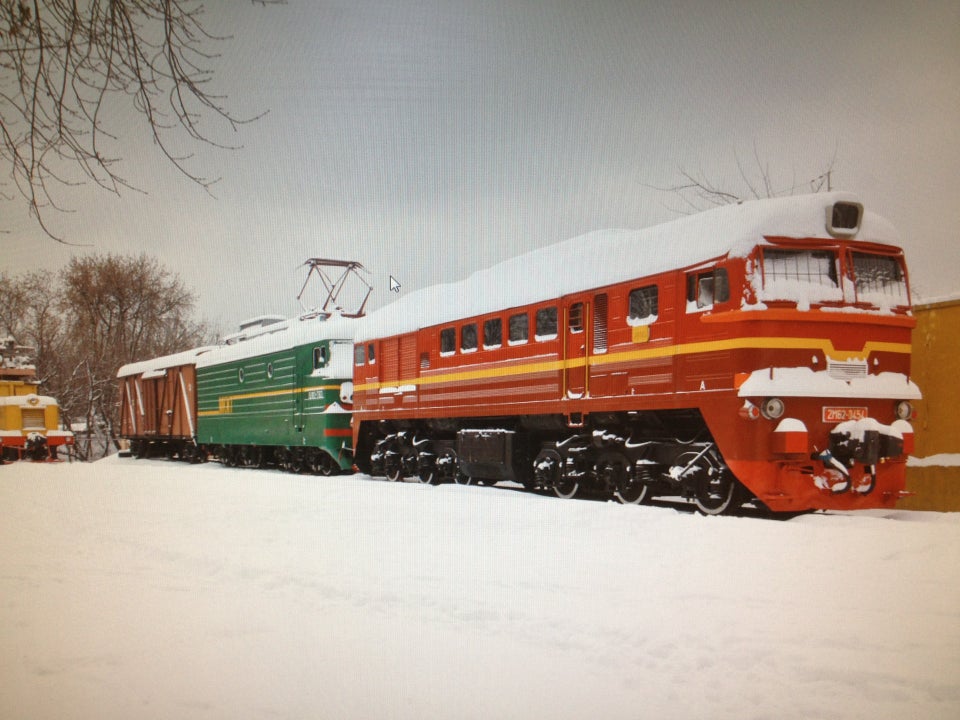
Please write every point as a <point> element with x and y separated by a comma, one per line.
<point>281,395</point>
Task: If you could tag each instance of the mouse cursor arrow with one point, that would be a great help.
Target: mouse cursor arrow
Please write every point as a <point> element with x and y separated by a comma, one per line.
<point>394,285</point>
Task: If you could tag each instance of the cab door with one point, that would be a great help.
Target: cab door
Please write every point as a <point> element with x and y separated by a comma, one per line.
<point>575,334</point>
<point>707,293</point>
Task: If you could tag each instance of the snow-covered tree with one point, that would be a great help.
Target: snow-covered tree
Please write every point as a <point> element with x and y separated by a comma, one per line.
<point>99,313</point>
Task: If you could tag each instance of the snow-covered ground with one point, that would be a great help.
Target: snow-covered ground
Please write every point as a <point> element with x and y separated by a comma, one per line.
<point>149,589</point>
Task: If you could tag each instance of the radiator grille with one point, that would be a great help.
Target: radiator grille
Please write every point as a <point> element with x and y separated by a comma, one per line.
<point>850,370</point>
<point>32,419</point>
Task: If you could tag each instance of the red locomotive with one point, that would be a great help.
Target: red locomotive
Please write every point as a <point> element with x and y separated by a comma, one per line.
<point>757,352</point>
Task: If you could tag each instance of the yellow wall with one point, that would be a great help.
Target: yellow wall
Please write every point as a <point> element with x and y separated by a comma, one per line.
<point>936,369</point>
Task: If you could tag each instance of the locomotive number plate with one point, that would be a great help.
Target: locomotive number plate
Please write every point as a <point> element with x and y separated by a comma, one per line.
<point>842,414</point>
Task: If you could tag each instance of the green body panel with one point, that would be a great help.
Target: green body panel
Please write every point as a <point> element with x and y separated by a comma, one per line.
<point>277,399</point>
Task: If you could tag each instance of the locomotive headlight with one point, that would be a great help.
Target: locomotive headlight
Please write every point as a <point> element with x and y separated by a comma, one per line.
<point>346,392</point>
<point>904,410</point>
<point>772,408</point>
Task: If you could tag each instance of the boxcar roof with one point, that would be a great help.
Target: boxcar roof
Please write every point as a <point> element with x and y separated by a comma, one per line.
<point>187,357</point>
<point>605,257</point>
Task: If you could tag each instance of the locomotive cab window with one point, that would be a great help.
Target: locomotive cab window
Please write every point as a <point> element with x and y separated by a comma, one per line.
<point>519,328</point>
<point>575,321</point>
<point>706,288</point>
<point>800,276</point>
<point>320,357</point>
<point>359,355</point>
<point>371,357</point>
<point>879,279</point>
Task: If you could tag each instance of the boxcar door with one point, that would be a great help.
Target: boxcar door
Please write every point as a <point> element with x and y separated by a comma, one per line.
<point>575,333</point>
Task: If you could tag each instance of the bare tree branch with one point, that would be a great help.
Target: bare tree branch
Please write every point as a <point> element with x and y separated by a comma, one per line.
<point>63,62</point>
<point>696,192</point>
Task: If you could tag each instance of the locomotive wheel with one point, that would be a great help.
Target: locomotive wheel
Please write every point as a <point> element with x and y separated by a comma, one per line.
<point>448,466</point>
<point>631,493</point>
<point>566,488</point>
<point>322,464</point>
<point>393,468</point>
<point>428,474</point>
<point>400,463</point>
<point>630,490</point>
<point>614,471</point>
<point>462,479</point>
<point>426,462</point>
<point>717,494</point>
<point>299,464</point>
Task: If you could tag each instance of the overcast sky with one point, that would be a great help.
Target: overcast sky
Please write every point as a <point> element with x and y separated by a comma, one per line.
<point>429,138</point>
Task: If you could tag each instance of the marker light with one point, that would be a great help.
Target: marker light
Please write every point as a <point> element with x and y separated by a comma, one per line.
<point>904,410</point>
<point>772,408</point>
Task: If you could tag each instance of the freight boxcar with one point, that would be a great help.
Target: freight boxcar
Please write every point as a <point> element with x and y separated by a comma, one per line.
<point>158,405</point>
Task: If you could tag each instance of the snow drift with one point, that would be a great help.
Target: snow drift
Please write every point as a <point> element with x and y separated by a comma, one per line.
<point>151,589</point>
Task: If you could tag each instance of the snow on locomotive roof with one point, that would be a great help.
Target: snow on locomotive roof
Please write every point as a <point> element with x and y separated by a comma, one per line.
<point>282,336</point>
<point>271,338</point>
<point>605,257</point>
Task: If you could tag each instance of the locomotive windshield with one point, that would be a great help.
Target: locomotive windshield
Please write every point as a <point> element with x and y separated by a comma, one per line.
<point>822,276</point>
<point>879,279</point>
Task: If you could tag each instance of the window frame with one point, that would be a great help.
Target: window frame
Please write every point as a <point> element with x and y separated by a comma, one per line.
<point>548,322</point>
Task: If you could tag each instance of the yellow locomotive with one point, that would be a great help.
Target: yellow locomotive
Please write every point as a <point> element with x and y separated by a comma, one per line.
<point>29,421</point>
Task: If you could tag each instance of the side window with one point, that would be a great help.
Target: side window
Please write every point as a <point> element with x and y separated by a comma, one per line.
<point>721,285</point>
<point>706,288</point>
<point>424,361</point>
<point>576,318</point>
<point>371,356</point>
<point>519,328</point>
<point>448,341</point>
<point>546,323</point>
<point>644,306</point>
<point>359,355</point>
<point>320,357</point>
<point>492,333</point>
<point>468,338</point>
